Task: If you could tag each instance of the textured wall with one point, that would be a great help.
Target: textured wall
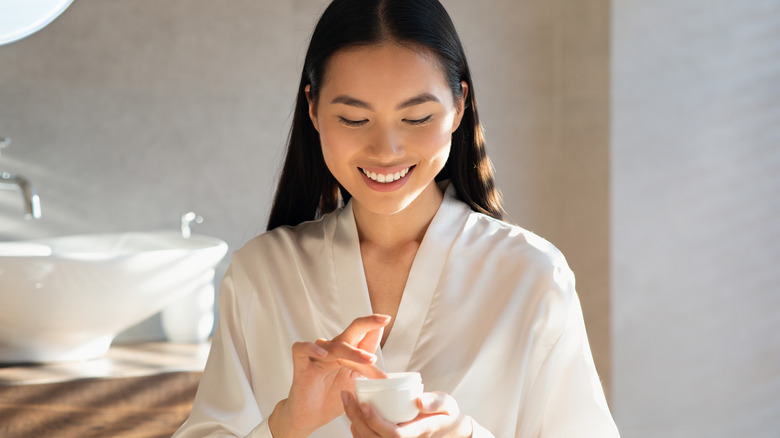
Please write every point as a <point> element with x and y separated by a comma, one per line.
<point>126,114</point>
<point>696,218</point>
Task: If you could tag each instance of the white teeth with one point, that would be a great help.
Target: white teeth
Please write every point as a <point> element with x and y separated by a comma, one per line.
<point>388,178</point>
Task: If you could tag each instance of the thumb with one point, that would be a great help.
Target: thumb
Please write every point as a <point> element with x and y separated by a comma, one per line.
<point>437,403</point>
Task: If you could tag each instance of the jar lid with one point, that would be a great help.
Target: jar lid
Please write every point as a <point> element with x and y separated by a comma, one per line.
<point>393,381</point>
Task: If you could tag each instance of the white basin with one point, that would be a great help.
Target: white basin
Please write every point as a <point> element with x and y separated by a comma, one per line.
<point>66,298</point>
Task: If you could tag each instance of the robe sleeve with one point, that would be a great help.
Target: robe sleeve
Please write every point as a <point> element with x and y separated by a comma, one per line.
<point>568,387</point>
<point>225,405</point>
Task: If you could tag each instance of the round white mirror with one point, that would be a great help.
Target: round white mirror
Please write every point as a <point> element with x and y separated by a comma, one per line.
<point>19,18</point>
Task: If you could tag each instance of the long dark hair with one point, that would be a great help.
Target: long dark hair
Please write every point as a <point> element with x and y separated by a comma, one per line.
<point>306,188</point>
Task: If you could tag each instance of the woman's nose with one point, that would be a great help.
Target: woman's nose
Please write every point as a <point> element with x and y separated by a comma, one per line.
<point>386,143</point>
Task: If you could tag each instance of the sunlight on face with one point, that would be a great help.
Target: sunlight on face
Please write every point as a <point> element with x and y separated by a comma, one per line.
<point>385,115</point>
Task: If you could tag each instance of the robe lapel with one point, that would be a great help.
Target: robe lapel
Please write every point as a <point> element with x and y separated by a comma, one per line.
<point>420,286</point>
<point>350,276</point>
<point>423,281</point>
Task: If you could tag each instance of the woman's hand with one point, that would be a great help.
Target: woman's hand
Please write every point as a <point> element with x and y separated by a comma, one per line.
<point>439,417</point>
<point>321,371</point>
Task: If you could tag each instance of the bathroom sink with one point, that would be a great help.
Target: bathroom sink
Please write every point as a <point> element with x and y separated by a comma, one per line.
<point>66,298</point>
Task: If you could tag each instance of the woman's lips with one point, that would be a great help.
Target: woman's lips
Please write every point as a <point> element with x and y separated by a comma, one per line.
<point>386,179</point>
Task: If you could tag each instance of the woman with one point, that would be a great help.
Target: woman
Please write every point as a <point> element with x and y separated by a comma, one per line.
<point>385,252</point>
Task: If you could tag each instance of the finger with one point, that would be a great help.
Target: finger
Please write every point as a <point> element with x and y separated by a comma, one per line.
<point>342,350</point>
<point>324,343</point>
<point>369,370</point>
<point>437,403</point>
<point>378,425</point>
<point>371,340</point>
<point>307,351</point>
<point>358,415</point>
<point>339,349</point>
<point>358,328</point>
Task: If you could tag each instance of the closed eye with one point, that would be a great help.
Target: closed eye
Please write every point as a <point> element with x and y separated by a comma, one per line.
<point>352,123</point>
<point>416,122</point>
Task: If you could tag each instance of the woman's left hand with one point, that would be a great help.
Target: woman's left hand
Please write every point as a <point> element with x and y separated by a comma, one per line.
<point>439,417</point>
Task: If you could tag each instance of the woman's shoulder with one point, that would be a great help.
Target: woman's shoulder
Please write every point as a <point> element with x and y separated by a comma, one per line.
<point>526,260</point>
<point>504,239</point>
<point>287,240</point>
<point>516,269</point>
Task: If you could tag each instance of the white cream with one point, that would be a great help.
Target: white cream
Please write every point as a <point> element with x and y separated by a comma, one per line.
<point>386,178</point>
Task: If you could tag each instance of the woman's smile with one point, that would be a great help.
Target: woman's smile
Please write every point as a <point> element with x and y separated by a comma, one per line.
<point>386,180</point>
<point>385,115</point>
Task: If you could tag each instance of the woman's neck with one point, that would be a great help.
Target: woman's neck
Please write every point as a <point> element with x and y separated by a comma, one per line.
<point>400,229</point>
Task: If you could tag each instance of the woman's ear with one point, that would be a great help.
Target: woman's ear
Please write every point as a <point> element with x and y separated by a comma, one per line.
<point>312,107</point>
<point>460,105</point>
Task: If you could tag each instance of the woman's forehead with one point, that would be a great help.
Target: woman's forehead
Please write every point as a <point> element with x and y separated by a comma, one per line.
<point>384,67</point>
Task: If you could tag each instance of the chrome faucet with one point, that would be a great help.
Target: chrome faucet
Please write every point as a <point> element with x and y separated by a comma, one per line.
<point>186,220</point>
<point>32,203</point>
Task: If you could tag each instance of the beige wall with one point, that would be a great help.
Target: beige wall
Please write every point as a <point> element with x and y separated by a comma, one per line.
<point>542,76</point>
<point>696,218</point>
<point>126,114</point>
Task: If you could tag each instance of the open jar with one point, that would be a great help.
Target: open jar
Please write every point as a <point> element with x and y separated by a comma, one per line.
<point>394,398</point>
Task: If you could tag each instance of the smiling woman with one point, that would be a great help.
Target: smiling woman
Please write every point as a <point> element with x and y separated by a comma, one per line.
<point>386,252</point>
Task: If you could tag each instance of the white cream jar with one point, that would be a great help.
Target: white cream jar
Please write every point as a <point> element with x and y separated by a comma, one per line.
<point>394,398</point>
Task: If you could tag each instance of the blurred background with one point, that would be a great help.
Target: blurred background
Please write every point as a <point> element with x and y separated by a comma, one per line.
<point>641,137</point>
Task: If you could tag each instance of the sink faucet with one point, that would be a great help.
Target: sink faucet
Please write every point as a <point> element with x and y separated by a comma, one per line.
<point>32,203</point>
<point>186,220</point>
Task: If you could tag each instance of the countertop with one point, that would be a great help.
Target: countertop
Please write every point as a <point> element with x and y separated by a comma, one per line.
<point>123,360</point>
<point>136,390</point>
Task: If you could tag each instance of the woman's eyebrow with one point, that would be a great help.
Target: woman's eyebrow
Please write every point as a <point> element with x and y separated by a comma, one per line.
<point>352,101</point>
<point>417,100</point>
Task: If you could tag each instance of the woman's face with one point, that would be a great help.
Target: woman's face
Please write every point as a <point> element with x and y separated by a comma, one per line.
<point>385,116</point>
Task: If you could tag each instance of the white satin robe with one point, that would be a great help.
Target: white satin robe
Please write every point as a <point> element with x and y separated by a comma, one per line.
<point>489,315</point>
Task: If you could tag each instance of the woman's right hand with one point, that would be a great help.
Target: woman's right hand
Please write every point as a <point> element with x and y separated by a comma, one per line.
<point>321,370</point>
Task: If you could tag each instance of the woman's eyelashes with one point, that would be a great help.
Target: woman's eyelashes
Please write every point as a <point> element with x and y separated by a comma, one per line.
<point>417,122</point>
<point>357,123</point>
<point>352,123</point>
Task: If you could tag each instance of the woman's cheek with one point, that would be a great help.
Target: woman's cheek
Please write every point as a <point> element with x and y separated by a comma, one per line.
<point>335,142</point>
<point>435,139</point>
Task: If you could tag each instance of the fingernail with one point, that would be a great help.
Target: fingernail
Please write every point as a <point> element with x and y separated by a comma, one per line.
<point>365,410</point>
<point>345,398</point>
<point>319,351</point>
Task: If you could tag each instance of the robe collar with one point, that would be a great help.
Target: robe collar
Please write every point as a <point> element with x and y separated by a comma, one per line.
<point>421,285</point>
